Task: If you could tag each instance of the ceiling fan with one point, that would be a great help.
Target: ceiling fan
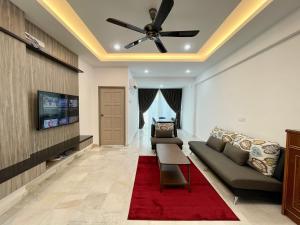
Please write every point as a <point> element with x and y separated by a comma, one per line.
<point>153,31</point>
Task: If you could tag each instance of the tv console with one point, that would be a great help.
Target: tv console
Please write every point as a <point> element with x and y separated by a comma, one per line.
<point>76,143</point>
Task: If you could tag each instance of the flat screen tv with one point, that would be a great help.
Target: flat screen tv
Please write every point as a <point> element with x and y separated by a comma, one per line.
<point>55,109</point>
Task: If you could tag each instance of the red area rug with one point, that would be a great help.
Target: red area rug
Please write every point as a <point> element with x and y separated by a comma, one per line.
<point>148,203</point>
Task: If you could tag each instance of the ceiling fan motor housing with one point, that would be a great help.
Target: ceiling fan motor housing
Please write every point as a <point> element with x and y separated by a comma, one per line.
<point>151,32</point>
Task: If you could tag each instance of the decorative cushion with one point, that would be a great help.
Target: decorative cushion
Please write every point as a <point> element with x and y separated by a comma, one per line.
<point>236,154</point>
<point>215,143</point>
<point>263,155</point>
<point>243,142</point>
<point>164,133</point>
<point>225,135</point>
<point>164,130</point>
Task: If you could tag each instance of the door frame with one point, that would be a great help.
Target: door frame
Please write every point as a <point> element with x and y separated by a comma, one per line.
<point>99,109</point>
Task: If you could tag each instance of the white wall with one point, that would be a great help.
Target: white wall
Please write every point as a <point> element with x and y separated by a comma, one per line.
<point>258,96</point>
<point>85,95</point>
<point>188,109</point>
<point>89,82</point>
<point>133,112</point>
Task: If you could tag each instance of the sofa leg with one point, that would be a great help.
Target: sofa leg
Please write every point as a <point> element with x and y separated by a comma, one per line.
<point>236,199</point>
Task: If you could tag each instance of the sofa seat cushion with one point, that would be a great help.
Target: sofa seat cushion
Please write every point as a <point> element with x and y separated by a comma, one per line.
<point>235,176</point>
<point>174,140</point>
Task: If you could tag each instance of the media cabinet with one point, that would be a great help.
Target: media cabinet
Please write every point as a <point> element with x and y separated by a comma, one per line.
<point>76,143</point>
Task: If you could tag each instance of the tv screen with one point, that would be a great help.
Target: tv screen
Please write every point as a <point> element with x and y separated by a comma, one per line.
<point>56,109</point>
<point>73,110</point>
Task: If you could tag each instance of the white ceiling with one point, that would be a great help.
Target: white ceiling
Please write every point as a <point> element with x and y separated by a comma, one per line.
<point>205,15</point>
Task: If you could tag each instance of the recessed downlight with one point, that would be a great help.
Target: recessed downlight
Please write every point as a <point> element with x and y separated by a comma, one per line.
<point>146,71</point>
<point>117,47</point>
<point>187,71</point>
<point>187,47</point>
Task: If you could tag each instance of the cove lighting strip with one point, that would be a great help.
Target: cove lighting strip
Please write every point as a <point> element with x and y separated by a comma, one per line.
<point>245,11</point>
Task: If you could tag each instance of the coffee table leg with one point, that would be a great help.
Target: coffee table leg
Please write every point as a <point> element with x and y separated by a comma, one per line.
<point>160,177</point>
<point>189,168</point>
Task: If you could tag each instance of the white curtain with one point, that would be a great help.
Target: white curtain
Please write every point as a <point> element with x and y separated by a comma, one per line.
<point>159,108</point>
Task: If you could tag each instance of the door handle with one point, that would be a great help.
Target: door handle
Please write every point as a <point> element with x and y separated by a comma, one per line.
<point>102,115</point>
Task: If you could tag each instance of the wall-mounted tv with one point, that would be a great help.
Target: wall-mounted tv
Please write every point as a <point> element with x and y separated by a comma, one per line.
<point>55,109</point>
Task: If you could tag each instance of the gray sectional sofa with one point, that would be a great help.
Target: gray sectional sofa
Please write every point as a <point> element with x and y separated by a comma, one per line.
<point>242,180</point>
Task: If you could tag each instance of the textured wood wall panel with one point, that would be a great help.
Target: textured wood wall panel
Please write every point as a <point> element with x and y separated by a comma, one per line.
<point>15,142</point>
<point>12,18</point>
<point>23,73</point>
<point>51,45</point>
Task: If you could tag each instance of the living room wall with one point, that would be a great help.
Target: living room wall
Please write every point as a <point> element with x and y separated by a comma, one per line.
<point>188,109</point>
<point>255,90</point>
<point>23,72</point>
<point>89,82</point>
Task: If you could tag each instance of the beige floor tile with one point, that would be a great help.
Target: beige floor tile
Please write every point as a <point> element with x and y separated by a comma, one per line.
<point>95,189</point>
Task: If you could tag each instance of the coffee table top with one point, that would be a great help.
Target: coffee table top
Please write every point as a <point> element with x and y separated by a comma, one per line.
<point>171,154</point>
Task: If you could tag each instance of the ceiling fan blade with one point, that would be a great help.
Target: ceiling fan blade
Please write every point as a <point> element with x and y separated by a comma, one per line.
<point>163,13</point>
<point>126,25</point>
<point>160,45</point>
<point>132,44</point>
<point>187,33</point>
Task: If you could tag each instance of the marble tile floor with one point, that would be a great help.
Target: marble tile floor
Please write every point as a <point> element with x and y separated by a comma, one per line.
<point>95,189</point>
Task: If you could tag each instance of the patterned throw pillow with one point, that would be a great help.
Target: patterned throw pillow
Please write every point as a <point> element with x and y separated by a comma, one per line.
<point>224,135</point>
<point>263,155</point>
<point>164,127</point>
<point>243,142</point>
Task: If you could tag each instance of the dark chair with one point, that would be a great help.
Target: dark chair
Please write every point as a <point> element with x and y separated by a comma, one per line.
<point>153,120</point>
<point>171,140</point>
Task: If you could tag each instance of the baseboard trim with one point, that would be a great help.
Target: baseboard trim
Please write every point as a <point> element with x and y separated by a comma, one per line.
<point>12,199</point>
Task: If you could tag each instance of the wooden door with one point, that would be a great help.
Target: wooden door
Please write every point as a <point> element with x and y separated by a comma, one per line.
<point>112,115</point>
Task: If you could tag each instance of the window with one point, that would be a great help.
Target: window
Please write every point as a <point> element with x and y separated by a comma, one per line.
<point>158,108</point>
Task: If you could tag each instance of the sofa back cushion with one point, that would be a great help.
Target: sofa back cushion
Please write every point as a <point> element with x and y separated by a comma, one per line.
<point>236,154</point>
<point>164,130</point>
<point>164,133</point>
<point>153,130</point>
<point>215,143</point>
<point>224,135</point>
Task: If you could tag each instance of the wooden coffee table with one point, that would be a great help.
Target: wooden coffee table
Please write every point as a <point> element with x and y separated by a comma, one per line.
<point>169,158</point>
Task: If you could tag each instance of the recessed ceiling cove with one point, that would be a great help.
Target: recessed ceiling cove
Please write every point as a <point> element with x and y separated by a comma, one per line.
<point>203,15</point>
<point>217,21</point>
